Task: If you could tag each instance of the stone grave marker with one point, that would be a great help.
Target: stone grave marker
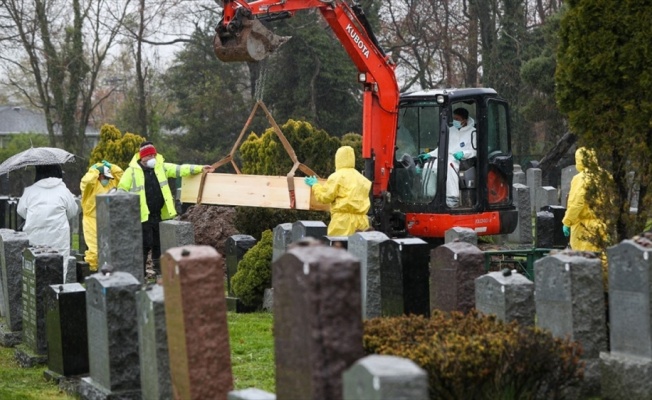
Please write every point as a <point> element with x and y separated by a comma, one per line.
<point>507,295</point>
<point>404,277</point>
<point>379,377</point>
<point>341,242</point>
<point>523,231</point>
<point>519,175</point>
<point>12,244</point>
<point>195,314</point>
<point>558,239</point>
<point>546,196</point>
<point>66,328</point>
<point>42,267</point>
<point>282,238</point>
<point>304,229</point>
<point>626,368</point>
<point>112,337</point>
<point>366,247</point>
<point>317,321</point>
<point>120,234</point>
<point>567,175</point>
<point>467,235</point>
<point>533,180</point>
<point>545,230</point>
<point>153,344</point>
<point>175,233</point>
<point>453,270</point>
<point>70,270</point>
<point>569,298</point>
<point>236,247</point>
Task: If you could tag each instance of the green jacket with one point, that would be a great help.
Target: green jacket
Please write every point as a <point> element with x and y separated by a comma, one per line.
<point>133,181</point>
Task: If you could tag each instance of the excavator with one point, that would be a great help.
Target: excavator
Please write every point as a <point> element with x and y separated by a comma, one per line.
<point>409,192</point>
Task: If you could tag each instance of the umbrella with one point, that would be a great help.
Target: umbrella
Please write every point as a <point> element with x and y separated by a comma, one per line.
<point>36,156</point>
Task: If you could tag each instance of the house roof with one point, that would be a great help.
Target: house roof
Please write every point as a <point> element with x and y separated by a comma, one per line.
<point>16,119</point>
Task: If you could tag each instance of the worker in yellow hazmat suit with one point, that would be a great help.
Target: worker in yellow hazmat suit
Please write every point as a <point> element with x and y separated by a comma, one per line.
<point>347,192</point>
<point>580,221</point>
<point>99,179</point>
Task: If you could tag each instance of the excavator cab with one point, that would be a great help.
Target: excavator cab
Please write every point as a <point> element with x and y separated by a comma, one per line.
<point>431,189</point>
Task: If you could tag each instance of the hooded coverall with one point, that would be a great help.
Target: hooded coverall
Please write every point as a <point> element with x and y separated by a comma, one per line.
<point>347,191</point>
<point>133,181</point>
<point>582,221</point>
<point>90,187</point>
<point>47,206</point>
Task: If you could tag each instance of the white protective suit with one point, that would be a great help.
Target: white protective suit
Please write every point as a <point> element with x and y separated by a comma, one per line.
<point>47,206</point>
<point>458,140</point>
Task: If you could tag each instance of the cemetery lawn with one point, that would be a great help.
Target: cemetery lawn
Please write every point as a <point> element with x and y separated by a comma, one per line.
<point>18,383</point>
<point>252,350</point>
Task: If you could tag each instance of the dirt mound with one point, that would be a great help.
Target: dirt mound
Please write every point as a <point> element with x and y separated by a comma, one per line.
<point>213,225</point>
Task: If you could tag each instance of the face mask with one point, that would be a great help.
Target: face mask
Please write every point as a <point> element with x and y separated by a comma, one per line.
<point>104,182</point>
<point>457,124</point>
<point>151,163</point>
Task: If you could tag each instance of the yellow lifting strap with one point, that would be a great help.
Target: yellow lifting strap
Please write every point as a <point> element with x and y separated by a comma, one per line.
<point>286,145</point>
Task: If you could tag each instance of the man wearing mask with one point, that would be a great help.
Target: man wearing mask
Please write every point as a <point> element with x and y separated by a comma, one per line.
<point>99,179</point>
<point>147,176</point>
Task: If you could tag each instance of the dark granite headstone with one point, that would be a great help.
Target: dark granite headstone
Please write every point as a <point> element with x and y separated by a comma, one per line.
<point>366,247</point>
<point>454,268</point>
<point>282,238</point>
<point>545,235</point>
<point>507,295</point>
<point>558,238</point>
<point>153,344</point>
<point>317,321</point>
<point>195,313</point>
<point>236,247</point>
<point>66,327</point>
<point>112,337</point>
<point>304,229</point>
<point>379,377</point>
<point>341,242</point>
<point>3,211</point>
<point>120,233</point>
<point>12,244</point>
<point>176,233</point>
<point>42,267</point>
<point>404,277</point>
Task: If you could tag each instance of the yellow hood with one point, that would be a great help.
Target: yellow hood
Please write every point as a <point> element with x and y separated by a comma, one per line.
<point>344,158</point>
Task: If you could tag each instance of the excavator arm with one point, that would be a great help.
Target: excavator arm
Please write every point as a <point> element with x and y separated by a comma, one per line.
<point>242,37</point>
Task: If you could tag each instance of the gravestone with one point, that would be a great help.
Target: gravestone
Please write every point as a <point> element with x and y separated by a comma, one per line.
<point>458,234</point>
<point>112,337</point>
<point>42,267</point>
<point>317,321</point>
<point>341,242</point>
<point>567,175</point>
<point>66,327</point>
<point>153,344</point>
<point>534,181</point>
<point>404,277</point>
<point>523,231</point>
<point>558,239</point>
<point>569,299</point>
<point>545,230</point>
<point>627,367</point>
<point>251,394</point>
<point>519,175</point>
<point>546,196</point>
<point>304,229</point>
<point>507,295</point>
<point>380,377</point>
<point>195,314</point>
<point>120,233</point>
<point>366,247</point>
<point>3,211</point>
<point>70,270</point>
<point>12,244</point>
<point>176,233</point>
<point>453,270</point>
<point>236,247</point>
<point>282,238</point>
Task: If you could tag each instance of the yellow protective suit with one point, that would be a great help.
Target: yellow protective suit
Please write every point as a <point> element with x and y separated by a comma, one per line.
<point>583,223</point>
<point>90,187</point>
<point>347,191</point>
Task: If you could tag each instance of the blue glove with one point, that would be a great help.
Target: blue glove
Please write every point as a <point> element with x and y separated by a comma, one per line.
<point>310,180</point>
<point>458,155</point>
<point>106,164</point>
<point>419,170</point>
<point>566,230</point>
<point>99,167</point>
<point>423,157</point>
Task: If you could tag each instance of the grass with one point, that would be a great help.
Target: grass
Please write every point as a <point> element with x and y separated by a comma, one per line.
<point>252,362</point>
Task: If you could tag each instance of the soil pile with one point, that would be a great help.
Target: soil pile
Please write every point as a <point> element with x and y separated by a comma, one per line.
<point>213,225</point>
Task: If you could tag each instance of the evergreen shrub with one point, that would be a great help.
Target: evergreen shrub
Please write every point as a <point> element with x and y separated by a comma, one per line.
<point>255,272</point>
<point>471,356</point>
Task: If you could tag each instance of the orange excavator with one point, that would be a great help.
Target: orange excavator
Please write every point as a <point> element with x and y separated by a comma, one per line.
<point>411,192</point>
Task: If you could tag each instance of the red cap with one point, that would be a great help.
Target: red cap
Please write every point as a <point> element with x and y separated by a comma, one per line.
<point>147,150</point>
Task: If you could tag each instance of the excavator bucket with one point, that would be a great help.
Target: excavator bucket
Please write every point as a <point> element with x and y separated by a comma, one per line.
<point>253,42</point>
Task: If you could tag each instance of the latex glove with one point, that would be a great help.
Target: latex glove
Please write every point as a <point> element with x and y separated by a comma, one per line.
<point>106,164</point>
<point>458,155</point>
<point>566,230</point>
<point>423,157</point>
<point>310,180</point>
<point>419,170</point>
<point>99,167</point>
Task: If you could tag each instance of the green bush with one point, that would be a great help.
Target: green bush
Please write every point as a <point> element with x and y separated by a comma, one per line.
<point>478,357</point>
<point>254,272</point>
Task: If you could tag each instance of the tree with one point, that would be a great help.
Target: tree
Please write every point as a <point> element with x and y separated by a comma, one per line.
<point>604,85</point>
<point>115,147</point>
